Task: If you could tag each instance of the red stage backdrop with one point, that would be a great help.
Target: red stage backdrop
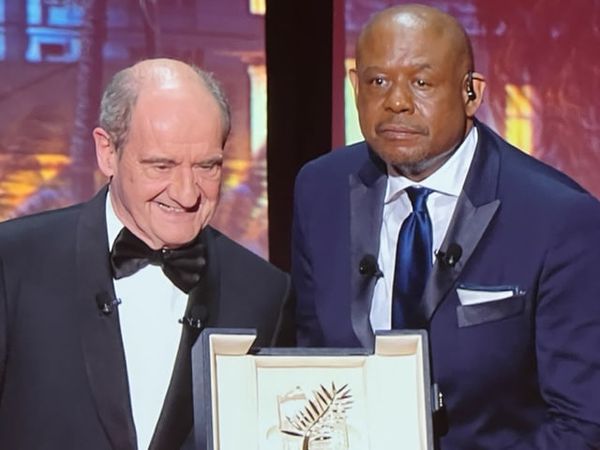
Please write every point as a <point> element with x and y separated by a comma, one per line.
<point>539,56</point>
<point>57,55</point>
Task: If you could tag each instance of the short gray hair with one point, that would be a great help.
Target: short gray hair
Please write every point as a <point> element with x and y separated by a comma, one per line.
<point>120,96</point>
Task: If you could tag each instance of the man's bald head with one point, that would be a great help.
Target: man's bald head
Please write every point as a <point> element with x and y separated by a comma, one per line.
<point>121,94</point>
<point>437,24</point>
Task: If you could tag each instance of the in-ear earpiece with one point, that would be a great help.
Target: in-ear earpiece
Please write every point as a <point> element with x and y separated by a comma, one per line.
<point>471,95</point>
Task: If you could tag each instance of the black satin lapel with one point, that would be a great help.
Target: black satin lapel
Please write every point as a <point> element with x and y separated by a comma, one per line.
<point>210,291</point>
<point>466,229</point>
<point>475,208</point>
<point>367,191</point>
<point>175,422</point>
<point>101,336</point>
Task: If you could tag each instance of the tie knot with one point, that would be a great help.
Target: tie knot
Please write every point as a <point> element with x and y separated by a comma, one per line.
<point>418,197</point>
<point>157,257</point>
<point>184,266</point>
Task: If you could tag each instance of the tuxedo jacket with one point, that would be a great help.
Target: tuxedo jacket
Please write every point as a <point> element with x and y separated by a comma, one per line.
<point>521,372</point>
<point>63,379</point>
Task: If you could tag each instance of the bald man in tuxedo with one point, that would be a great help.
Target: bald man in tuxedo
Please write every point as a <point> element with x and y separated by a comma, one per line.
<point>101,302</point>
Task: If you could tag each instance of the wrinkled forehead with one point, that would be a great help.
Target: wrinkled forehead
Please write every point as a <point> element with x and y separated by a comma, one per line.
<point>184,113</point>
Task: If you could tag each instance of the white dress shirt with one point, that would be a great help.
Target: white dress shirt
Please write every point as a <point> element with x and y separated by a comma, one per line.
<point>446,183</point>
<point>150,308</point>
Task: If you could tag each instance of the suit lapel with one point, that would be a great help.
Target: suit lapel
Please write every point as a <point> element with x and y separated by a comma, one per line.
<point>367,191</point>
<point>475,209</point>
<point>176,418</point>
<point>101,336</point>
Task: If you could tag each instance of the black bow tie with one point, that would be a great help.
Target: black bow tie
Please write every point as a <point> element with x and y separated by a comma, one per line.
<point>183,265</point>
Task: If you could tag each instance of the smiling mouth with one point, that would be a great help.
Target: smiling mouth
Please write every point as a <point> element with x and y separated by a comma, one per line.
<point>171,209</point>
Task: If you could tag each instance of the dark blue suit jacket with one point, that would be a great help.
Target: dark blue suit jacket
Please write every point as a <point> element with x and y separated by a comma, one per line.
<point>518,373</point>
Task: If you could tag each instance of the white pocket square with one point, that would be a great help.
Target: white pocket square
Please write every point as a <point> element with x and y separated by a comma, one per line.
<point>474,296</point>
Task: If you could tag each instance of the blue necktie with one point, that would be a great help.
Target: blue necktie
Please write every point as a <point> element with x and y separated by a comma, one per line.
<point>413,261</point>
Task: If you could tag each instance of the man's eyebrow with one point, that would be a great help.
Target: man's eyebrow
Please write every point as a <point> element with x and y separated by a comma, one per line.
<point>417,67</point>
<point>423,66</point>
<point>372,69</point>
<point>157,160</point>
<point>216,159</point>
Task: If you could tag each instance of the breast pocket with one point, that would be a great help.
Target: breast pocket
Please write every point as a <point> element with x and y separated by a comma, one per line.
<point>491,311</point>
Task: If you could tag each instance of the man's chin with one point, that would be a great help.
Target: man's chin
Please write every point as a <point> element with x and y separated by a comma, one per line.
<point>402,157</point>
<point>419,169</point>
<point>410,163</point>
<point>177,240</point>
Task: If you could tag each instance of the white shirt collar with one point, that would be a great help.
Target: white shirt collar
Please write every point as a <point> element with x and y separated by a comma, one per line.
<point>113,224</point>
<point>448,179</point>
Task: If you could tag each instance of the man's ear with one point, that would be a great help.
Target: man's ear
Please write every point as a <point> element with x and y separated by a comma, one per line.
<point>106,155</point>
<point>474,86</point>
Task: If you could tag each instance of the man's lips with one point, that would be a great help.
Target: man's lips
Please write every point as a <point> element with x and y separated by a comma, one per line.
<point>400,132</point>
<point>176,209</point>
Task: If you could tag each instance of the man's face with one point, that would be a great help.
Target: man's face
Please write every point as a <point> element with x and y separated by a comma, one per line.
<point>409,90</point>
<point>166,180</point>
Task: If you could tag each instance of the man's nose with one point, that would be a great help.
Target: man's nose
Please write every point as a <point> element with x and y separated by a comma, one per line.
<point>184,188</point>
<point>399,99</point>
